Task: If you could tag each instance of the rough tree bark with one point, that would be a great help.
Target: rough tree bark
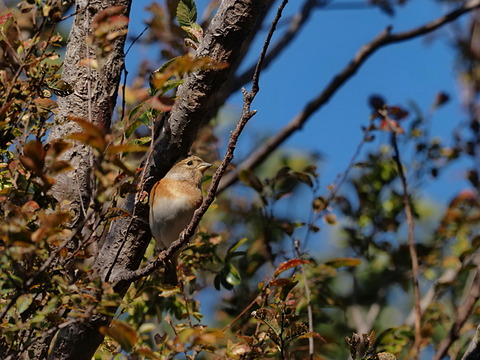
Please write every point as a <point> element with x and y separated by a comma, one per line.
<point>226,39</point>
<point>94,99</point>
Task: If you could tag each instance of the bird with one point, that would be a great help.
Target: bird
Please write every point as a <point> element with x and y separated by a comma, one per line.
<point>173,200</point>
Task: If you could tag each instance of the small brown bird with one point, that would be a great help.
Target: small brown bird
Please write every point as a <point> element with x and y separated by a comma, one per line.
<point>173,200</point>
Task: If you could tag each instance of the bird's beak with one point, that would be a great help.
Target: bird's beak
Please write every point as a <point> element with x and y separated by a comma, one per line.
<point>204,166</point>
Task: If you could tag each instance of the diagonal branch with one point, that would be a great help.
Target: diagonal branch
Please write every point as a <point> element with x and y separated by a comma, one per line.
<point>384,38</point>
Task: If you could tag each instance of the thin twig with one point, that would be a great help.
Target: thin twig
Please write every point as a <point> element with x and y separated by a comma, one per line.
<point>247,114</point>
<point>411,246</point>
<point>311,345</point>
<point>384,38</point>
<point>125,73</point>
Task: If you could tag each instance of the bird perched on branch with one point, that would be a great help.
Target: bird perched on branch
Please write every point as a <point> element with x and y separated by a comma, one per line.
<point>173,200</point>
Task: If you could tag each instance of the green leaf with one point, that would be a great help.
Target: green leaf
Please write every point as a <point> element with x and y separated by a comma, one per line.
<point>23,302</point>
<point>140,114</point>
<point>186,12</point>
<point>233,276</point>
<point>235,246</point>
<point>140,141</point>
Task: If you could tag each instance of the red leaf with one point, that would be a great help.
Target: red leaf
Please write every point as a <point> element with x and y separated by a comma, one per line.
<point>284,266</point>
<point>4,18</point>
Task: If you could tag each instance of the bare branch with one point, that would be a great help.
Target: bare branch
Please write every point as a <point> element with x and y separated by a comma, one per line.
<point>411,247</point>
<point>247,114</point>
<point>383,39</point>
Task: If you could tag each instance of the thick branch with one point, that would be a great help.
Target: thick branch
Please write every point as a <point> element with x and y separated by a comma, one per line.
<point>383,39</point>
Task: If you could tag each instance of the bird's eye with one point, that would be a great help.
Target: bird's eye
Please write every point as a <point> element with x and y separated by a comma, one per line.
<point>190,162</point>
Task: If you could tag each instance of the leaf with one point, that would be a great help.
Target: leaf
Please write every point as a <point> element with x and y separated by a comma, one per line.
<point>92,134</point>
<point>286,265</point>
<point>181,65</point>
<point>330,219</point>
<point>23,302</point>
<point>140,141</point>
<point>34,158</point>
<point>169,290</point>
<point>60,166</point>
<point>57,147</point>
<point>115,213</point>
<point>87,126</point>
<point>194,32</point>
<point>233,277</point>
<point>250,179</point>
<point>126,148</point>
<point>149,354</point>
<point>5,22</point>
<point>305,178</point>
<point>345,261</point>
<point>236,245</point>
<point>122,333</point>
<point>47,104</point>
<point>138,115</point>
<point>5,18</point>
<point>186,12</point>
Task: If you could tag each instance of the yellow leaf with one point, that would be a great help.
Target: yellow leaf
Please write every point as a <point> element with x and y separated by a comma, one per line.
<point>346,261</point>
<point>122,333</point>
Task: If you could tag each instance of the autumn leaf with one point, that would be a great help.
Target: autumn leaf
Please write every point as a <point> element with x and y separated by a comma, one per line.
<point>122,333</point>
<point>286,265</point>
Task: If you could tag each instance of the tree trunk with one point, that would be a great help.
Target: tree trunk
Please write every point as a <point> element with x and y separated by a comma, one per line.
<point>94,99</point>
